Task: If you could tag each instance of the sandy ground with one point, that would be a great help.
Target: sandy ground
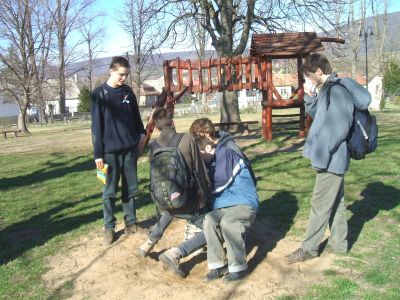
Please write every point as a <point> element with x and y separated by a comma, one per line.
<point>87,270</point>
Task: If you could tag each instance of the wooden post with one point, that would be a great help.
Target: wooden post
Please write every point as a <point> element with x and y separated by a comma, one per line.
<point>302,131</point>
<point>267,131</point>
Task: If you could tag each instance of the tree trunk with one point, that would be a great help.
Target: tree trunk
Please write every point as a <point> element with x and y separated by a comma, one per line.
<point>22,119</point>
<point>230,110</point>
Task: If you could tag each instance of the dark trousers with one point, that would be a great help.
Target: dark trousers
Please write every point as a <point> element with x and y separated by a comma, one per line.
<point>120,165</point>
<point>187,247</point>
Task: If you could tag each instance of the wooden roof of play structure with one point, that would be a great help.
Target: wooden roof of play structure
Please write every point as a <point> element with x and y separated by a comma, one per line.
<point>288,45</point>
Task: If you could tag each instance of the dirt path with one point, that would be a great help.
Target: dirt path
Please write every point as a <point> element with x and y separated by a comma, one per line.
<point>87,270</point>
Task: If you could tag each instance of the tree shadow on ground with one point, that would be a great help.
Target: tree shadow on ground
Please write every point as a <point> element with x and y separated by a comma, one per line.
<point>50,170</point>
<point>20,237</point>
<point>274,221</point>
<point>376,197</point>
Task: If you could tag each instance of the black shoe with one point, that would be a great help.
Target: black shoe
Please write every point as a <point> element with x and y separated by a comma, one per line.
<point>216,274</point>
<point>233,276</point>
<point>298,256</point>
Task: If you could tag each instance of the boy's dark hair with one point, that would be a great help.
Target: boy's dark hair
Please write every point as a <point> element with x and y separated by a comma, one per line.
<point>162,118</point>
<point>119,61</point>
<point>203,142</point>
<point>202,125</point>
<point>315,61</point>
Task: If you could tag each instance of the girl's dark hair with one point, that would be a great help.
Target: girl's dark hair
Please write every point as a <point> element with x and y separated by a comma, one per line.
<point>315,61</point>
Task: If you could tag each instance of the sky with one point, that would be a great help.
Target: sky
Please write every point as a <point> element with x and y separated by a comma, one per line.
<point>116,42</point>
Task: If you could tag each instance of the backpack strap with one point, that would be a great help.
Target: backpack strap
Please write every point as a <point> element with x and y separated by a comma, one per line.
<point>175,140</point>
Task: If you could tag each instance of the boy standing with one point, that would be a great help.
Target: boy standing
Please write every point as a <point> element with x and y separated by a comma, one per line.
<point>235,203</point>
<point>326,147</point>
<point>118,134</point>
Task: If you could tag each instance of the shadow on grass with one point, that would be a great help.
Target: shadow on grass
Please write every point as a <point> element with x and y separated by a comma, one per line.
<point>51,170</point>
<point>273,222</point>
<point>20,237</point>
<point>376,197</point>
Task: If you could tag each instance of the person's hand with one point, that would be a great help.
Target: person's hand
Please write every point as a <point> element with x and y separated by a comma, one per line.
<point>309,87</point>
<point>99,163</point>
<point>141,143</point>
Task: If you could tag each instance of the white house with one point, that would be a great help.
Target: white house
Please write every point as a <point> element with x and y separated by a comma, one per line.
<point>8,107</point>
<point>71,95</point>
<point>375,87</point>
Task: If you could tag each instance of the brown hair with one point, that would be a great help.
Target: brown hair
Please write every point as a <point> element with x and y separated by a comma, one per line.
<point>119,61</point>
<point>202,126</point>
<point>315,61</point>
<point>162,118</point>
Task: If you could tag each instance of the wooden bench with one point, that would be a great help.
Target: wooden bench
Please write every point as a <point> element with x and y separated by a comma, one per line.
<point>15,131</point>
<point>243,125</point>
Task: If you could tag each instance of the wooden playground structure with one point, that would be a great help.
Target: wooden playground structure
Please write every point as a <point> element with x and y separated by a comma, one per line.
<point>244,73</point>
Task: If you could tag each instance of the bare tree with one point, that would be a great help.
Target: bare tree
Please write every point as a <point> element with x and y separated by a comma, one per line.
<point>92,36</point>
<point>66,15</point>
<point>142,22</point>
<point>21,42</point>
<point>230,23</point>
<point>379,11</point>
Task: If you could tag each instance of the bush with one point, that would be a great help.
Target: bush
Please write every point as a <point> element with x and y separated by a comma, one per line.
<point>84,100</point>
<point>391,80</point>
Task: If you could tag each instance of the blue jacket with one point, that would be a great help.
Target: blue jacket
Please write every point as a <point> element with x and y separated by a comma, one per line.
<point>326,144</point>
<point>232,178</point>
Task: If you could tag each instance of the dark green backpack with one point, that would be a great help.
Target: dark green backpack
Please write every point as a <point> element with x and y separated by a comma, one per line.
<point>170,182</point>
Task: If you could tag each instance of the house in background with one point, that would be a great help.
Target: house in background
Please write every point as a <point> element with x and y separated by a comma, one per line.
<point>71,96</point>
<point>8,107</point>
<point>375,87</point>
<point>148,95</point>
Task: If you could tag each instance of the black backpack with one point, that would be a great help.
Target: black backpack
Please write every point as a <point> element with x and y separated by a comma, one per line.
<point>363,134</point>
<point>170,182</point>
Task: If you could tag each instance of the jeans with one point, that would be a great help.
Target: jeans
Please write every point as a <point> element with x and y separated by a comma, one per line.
<point>187,247</point>
<point>120,165</point>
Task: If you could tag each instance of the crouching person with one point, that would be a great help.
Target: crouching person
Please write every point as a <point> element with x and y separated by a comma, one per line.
<point>180,188</point>
<point>234,207</point>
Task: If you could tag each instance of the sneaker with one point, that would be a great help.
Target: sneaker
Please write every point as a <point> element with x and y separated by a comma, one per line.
<point>298,256</point>
<point>216,273</point>
<point>146,248</point>
<point>234,276</point>
<point>108,236</point>
<point>170,259</point>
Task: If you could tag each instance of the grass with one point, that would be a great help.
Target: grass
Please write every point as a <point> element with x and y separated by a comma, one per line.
<point>49,196</point>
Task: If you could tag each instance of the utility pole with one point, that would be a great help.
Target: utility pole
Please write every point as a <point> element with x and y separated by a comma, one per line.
<point>367,33</point>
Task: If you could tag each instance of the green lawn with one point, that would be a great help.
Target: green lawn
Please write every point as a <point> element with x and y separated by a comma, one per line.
<point>49,196</point>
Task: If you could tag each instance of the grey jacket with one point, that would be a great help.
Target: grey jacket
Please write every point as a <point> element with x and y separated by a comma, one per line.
<point>326,145</point>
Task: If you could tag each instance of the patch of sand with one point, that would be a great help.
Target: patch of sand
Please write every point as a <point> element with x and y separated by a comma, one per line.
<point>91,271</point>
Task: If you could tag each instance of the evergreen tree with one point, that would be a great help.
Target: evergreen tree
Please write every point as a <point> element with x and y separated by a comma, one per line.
<point>84,99</point>
<point>391,80</point>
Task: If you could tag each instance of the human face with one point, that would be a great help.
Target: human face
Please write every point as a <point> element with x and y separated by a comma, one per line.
<point>315,78</point>
<point>119,75</point>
